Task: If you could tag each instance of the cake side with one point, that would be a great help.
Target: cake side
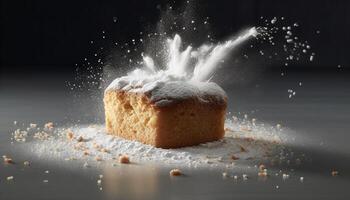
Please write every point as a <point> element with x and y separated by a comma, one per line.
<point>130,116</point>
<point>190,122</point>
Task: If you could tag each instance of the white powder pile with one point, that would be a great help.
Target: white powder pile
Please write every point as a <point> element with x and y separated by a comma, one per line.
<point>244,140</point>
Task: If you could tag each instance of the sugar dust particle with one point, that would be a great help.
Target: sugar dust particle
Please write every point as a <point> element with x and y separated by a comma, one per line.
<point>301,179</point>
<point>10,178</point>
<point>274,20</point>
<point>115,19</point>
<point>45,181</point>
<point>311,58</point>
<point>339,66</point>
<point>86,165</point>
<point>278,126</point>
<point>285,176</point>
<point>245,176</point>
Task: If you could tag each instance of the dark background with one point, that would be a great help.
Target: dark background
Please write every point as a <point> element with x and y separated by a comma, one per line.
<point>51,36</point>
<point>41,41</point>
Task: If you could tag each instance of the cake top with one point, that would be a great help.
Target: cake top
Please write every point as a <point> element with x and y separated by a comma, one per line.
<point>164,89</point>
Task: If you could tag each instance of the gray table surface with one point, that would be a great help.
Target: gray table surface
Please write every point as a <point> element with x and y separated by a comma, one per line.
<point>319,116</point>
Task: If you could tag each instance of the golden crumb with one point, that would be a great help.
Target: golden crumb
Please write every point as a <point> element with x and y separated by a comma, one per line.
<point>242,148</point>
<point>49,125</point>
<point>70,135</point>
<point>233,157</point>
<point>335,173</point>
<point>80,139</point>
<point>7,159</point>
<point>262,174</point>
<point>262,167</point>
<point>175,172</point>
<point>104,150</point>
<point>86,153</point>
<point>98,158</point>
<point>124,159</point>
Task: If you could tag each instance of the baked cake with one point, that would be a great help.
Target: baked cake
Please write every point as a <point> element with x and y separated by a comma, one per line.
<point>164,111</point>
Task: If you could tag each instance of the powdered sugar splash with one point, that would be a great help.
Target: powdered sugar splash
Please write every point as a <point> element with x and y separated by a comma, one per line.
<point>176,80</point>
<point>204,60</point>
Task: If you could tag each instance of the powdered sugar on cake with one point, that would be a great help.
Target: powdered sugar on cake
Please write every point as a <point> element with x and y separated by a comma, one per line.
<point>166,89</point>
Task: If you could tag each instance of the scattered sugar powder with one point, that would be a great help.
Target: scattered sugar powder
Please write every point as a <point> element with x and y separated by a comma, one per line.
<point>244,141</point>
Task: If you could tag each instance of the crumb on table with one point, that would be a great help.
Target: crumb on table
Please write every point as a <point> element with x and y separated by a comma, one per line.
<point>7,159</point>
<point>335,173</point>
<point>49,125</point>
<point>233,157</point>
<point>70,135</point>
<point>124,159</point>
<point>80,139</point>
<point>98,158</point>
<point>175,172</point>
